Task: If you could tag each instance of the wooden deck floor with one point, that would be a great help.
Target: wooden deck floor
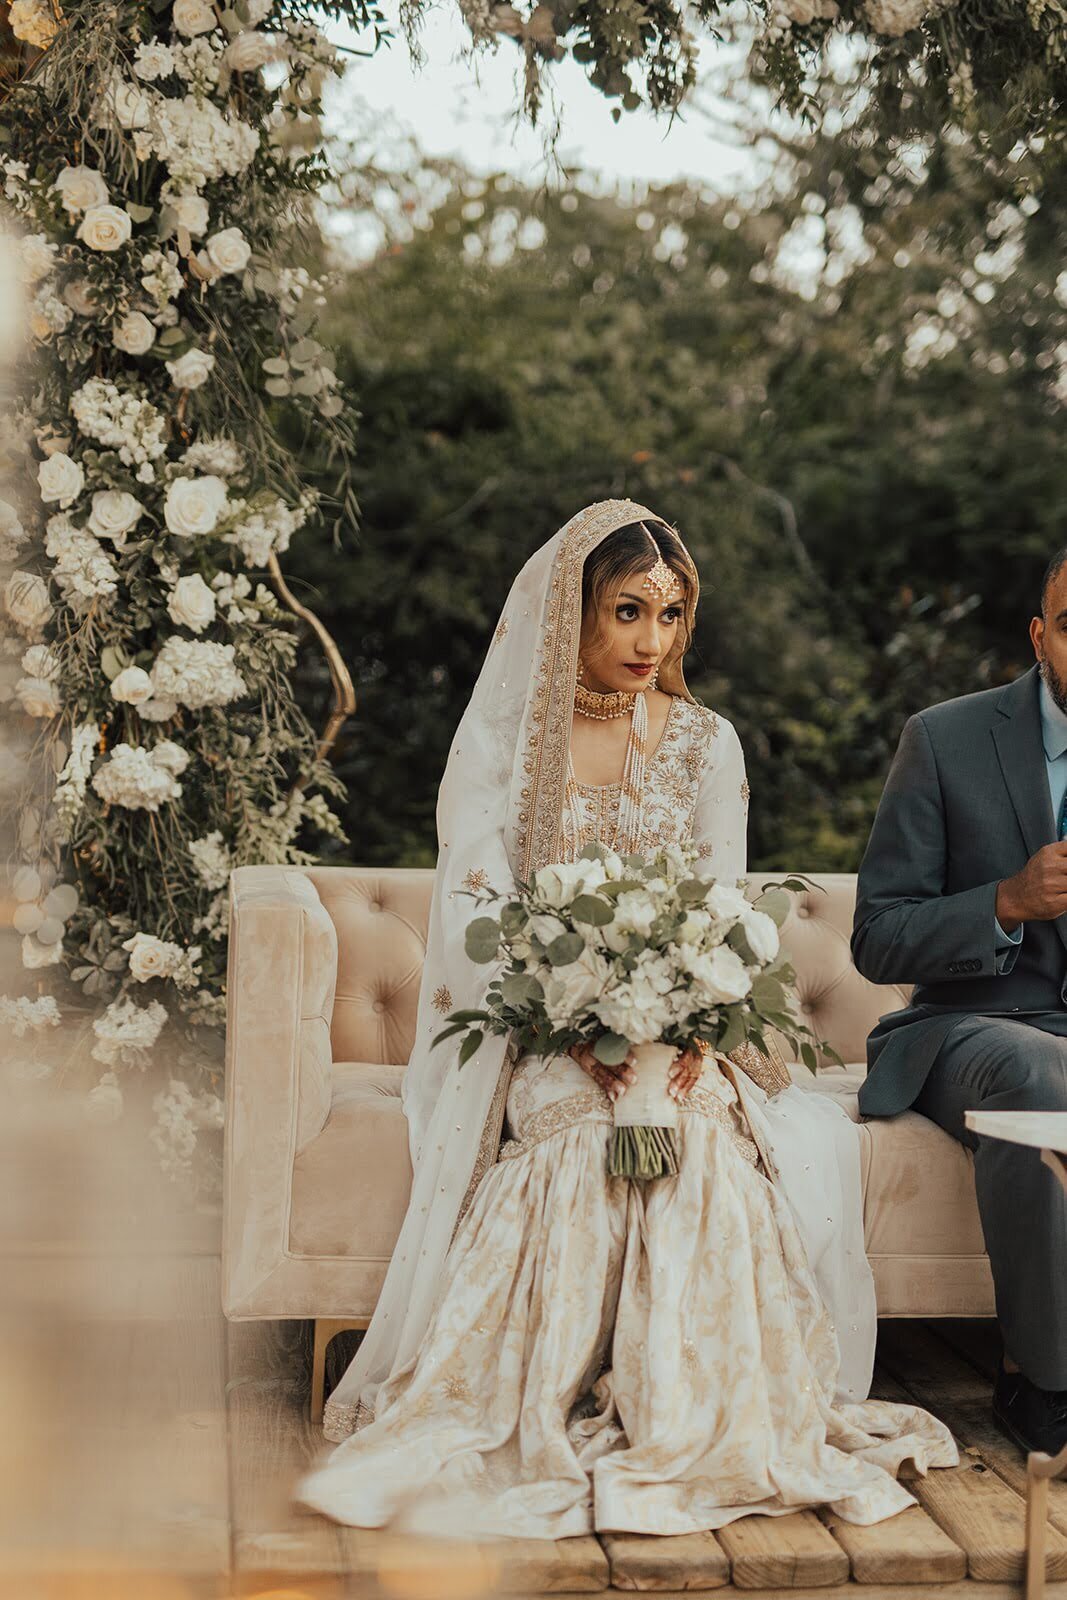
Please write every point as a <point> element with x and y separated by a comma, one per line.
<point>149,1450</point>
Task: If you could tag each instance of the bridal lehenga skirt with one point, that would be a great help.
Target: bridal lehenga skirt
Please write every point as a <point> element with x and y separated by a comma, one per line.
<point>613,1356</point>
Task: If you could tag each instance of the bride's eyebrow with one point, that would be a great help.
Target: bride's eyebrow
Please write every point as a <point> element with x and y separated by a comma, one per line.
<point>642,601</point>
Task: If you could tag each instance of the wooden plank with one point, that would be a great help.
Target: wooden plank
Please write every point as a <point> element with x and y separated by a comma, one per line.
<point>970,1419</point>
<point>965,1590</point>
<point>680,1561</point>
<point>972,1502</point>
<point>907,1548</point>
<point>785,1552</point>
<point>553,1566</point>
<point>272,1443</point>
<point>115,1439</point>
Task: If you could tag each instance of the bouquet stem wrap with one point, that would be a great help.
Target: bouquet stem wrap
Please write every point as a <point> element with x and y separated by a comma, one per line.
<point>644,1144</point>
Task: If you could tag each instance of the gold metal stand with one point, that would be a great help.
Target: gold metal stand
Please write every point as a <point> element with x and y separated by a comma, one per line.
<point>1041,1468</point>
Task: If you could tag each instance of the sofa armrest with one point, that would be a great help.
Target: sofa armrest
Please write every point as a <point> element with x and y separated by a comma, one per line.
<point>281,984</point>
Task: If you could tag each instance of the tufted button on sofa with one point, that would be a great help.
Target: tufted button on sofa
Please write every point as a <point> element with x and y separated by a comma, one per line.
<point>322,990</point>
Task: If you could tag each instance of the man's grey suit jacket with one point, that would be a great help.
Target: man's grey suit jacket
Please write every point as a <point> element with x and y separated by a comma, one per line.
<point>966,804</point>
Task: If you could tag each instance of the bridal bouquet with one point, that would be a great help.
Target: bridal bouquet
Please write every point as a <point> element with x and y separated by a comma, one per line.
<point>638,952</point>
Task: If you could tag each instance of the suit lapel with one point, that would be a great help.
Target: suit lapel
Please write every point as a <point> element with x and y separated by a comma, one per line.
<point>1017,736</point>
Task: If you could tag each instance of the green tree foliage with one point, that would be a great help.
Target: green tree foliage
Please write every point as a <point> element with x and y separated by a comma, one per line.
<point>848,400</point>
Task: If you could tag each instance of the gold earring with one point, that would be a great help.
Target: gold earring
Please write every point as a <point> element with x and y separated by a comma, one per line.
<point>581,669</point>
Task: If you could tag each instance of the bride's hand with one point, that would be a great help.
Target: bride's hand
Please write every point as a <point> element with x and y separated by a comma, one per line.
<point>684,1072</point>
<point>613,1080</point>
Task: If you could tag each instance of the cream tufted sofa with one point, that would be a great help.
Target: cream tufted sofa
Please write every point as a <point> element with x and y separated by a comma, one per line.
<point>324,968</point>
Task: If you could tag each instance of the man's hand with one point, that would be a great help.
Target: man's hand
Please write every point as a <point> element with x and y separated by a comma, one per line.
<point>1038,893</point>
<point>613,1080</point>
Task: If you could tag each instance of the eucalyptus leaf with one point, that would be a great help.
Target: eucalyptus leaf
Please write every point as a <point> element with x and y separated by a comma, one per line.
<point>592,908</point>
<point>776,903</point>
<point>611,1049</point>
<point>470,1045</point>
<point>564,949</point>
<point>482,939</point>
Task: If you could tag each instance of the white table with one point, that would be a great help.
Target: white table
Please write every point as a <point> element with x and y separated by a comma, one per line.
<point>1045,1131</point>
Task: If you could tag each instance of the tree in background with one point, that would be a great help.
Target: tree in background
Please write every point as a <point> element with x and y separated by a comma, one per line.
<point>847,395</point>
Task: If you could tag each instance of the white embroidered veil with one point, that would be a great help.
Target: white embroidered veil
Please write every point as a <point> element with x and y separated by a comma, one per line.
<point>498,818</point>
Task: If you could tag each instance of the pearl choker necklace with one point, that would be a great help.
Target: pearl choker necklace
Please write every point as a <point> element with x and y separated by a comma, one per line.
<point>616,703</point>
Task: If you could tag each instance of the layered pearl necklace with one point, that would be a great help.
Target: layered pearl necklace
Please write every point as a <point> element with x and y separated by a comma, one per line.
<point>590,703</point>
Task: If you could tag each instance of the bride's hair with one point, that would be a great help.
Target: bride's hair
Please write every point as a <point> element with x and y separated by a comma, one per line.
<point>622,553</point>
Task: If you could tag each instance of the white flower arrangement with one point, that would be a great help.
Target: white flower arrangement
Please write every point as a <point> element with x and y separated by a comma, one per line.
<point>621,952</point>
<point>145,512</point>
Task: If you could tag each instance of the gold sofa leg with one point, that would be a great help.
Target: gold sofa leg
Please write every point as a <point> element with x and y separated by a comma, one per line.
<point>326,1328</point>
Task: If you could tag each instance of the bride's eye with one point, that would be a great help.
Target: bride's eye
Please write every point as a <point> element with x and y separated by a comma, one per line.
<point>672,613</point>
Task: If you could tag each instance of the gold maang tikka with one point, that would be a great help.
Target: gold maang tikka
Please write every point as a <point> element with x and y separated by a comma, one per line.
<point>662,580</point>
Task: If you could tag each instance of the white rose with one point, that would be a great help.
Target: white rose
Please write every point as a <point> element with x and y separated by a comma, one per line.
<point>79,188</point>
<point>761,931</point>
<point>149,957</point>
<point>114,513</point>
<point>192,603</point>
<point>170,756</point>
<point>132,686</point>
<point>561,882</point>
<point>128,104</point>
<point>157,710</point>
<point>190,211</point>
<point>60,479</point>
<point>79,297</point>
<point>26,600</point>
<point>545,927</point>
<point>193,505</point>
<point>228,250</point>
<point>105,228</point>
<point>39,696</point>
<point>720,977</point>
<point>36,257</point>
<point>193,16</point>
<point>571,989</point>
<point>251,50</point>
<point>192,369</point>
<point>727,903</point>
<point>693,927</point>
<point>134,334</point>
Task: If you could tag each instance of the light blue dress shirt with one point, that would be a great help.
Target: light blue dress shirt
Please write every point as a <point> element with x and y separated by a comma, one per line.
<point>1054,739</point>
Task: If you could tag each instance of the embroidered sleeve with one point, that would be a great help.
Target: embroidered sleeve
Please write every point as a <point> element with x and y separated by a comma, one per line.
<point>720,819</point>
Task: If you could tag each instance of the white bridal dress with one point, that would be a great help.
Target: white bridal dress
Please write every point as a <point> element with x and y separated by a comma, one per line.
<point>659,1358</point>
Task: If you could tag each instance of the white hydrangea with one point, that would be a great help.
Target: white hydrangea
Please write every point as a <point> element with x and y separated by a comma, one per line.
<point>230,589</point>
<point>36,256</point>
<point>160,275</point>
<point>23,1015</point>
<point>125,1032</point>
<point>199,64</point>
<point>219,457</point>
<point>261,528</point>
<point>197,673</point>
<point>894,17</point>
<point>212,859</point>
<point>82,570</point>
<point>157,710</point>
<point>104,1102</point>
<point>69,793</point>
<point>198,143</point>
<point>12,534</point>
<point>49,313</point>
<point>179,1116</point>
<point>190,210</point>
<point>34,21</point>
<point>123,420</point>
<point>133,778</point>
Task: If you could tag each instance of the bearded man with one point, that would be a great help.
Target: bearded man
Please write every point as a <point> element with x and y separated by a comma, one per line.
<point>963,893</point>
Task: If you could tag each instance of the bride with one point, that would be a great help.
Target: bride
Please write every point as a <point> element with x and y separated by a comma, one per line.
<point>556,1351</point>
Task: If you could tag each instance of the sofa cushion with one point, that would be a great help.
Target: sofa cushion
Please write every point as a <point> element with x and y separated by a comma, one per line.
<point>351,1183</point>
<point>922,1229</point>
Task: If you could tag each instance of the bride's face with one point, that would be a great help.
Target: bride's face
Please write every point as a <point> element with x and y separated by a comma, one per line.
<point>637,628</point>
